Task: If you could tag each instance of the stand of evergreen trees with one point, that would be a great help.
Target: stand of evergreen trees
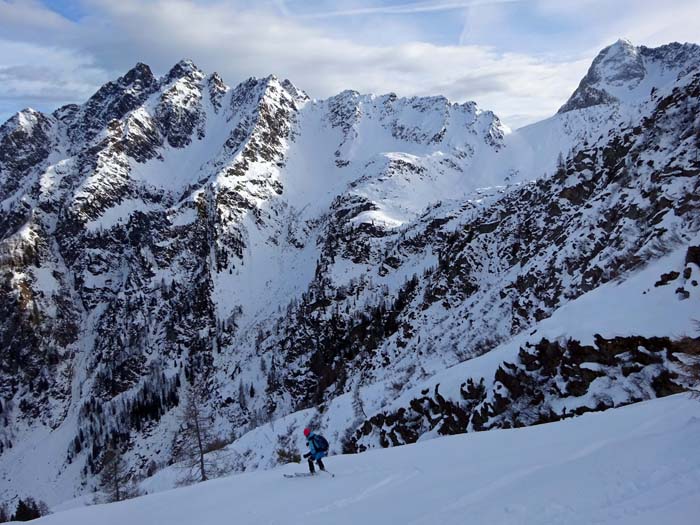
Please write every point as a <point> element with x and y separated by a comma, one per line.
<point>27,509</point>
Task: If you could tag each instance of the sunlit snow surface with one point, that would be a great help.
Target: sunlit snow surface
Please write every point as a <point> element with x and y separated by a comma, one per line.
<point>636,465</point>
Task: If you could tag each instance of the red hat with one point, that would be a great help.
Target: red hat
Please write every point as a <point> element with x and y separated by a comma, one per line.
<point>307,431</point>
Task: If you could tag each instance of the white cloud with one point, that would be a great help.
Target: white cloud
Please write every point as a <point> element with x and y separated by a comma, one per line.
<point>239,41</point>
<point>43,77</point>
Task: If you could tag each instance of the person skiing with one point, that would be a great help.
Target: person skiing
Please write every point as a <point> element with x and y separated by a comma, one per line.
<point>318,449</point>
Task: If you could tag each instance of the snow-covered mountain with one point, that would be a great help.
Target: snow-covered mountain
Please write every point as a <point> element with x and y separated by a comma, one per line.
<point>323,259</point>
<point>623,74</point>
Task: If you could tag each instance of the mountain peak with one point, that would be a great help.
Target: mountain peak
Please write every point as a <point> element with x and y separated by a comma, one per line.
<point>273,82</point>
<point>623,72</point>
<point>620,61</point>
<point>27,115</point>
<point>183,68</point>
<point>215,78</point>
<point>294,90</point>
<point>621,44</point>
<point>25,120</point>
<point>139,73</point>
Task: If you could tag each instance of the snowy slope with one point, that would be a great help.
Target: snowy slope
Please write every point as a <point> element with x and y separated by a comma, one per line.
<point>635,465</point>
<point>326,259</point>
<point>632,307</point>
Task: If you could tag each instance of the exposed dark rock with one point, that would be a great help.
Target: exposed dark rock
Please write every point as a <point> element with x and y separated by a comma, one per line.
<point>693,255</point>
<point>521,393</point>
<point>667,278</point>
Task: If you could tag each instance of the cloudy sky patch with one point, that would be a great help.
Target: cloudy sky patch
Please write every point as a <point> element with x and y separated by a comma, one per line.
<point>519,58</point>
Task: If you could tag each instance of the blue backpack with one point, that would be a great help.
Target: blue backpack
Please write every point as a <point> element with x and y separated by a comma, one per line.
<point>320,443</point>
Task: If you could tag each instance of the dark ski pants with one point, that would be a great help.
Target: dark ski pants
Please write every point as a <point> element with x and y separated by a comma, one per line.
<point>319,462</point>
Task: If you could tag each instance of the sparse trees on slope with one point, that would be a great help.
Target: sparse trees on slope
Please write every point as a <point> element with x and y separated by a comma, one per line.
<point>195,436</point>
<point>114,475</point>
<point>287,451</point>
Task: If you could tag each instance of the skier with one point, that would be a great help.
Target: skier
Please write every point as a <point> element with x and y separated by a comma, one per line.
<point>318,448</point>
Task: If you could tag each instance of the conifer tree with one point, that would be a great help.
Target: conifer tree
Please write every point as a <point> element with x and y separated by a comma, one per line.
<point>195,437</point>
<point>28,510</point>
<point>114,475</point>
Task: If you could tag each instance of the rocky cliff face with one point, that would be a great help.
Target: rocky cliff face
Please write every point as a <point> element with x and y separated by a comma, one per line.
<point>624,73</point>
<point>549,381</point>
<point>284,251</point>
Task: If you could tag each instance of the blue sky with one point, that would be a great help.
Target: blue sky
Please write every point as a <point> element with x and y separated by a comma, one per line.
<point>71,10</point>
<point>519,58</point>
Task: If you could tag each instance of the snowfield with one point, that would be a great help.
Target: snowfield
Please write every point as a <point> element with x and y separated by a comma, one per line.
<point>634,465</point>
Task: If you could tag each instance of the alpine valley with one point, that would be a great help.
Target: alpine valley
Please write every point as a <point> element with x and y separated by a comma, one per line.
<point>383,269</point>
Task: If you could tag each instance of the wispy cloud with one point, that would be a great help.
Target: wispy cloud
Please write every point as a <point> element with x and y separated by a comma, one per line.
<point>405,9</point>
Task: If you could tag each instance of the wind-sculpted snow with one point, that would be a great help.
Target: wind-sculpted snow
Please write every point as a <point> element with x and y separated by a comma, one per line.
<point>290,253</point>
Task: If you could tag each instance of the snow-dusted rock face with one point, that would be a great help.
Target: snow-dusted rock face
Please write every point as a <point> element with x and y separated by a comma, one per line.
<point>290,253</point>
<point>549,381</point>
<point>624,73</point>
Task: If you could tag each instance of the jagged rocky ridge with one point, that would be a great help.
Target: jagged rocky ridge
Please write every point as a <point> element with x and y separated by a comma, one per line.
<point>286,251</point>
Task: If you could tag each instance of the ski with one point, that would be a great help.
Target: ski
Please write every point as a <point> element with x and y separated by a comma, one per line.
<point>306,474</point>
